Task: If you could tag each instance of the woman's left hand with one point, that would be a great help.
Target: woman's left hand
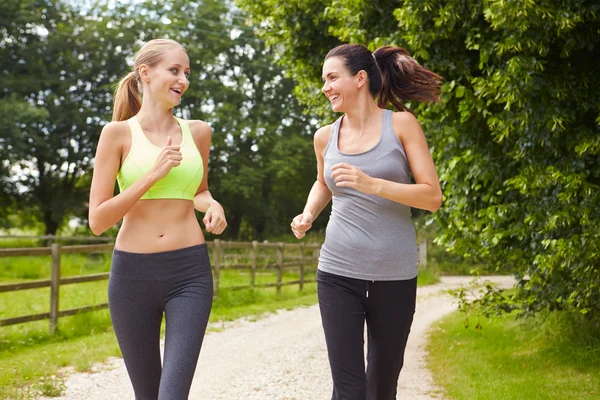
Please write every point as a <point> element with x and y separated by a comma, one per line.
<point>346,175</point>
<point>214,219</point>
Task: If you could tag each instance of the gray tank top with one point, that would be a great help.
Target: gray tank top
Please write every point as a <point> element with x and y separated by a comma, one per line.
<point>369,237</point>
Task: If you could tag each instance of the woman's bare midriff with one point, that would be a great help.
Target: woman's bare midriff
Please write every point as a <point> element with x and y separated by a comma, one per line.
<point>152,226</point>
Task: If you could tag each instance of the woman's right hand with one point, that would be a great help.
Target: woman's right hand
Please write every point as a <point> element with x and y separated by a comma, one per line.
<point>168,158</point>
<point>301,223</point>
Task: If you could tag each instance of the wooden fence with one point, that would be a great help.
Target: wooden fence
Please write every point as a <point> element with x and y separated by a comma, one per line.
<point>218,261</point>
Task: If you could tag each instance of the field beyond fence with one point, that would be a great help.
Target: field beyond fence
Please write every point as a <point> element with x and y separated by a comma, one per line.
<point>253,257</point>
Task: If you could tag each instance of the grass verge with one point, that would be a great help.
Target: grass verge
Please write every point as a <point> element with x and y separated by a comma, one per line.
<point>506,359</point>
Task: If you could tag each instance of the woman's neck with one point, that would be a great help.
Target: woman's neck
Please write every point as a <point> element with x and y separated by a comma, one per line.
<point>155,117</point>
<point>360,117</point>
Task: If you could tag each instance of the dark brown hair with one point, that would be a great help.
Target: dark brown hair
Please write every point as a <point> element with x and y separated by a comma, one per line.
<point>393,75</point>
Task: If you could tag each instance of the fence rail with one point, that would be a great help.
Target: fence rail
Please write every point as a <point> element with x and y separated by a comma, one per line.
<point>218,259</point>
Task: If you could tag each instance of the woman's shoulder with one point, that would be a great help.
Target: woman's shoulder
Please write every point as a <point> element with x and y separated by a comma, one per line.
<point>114,138</point>
<point>404,117</point>
<point>115,130</point>
<point>199,129</point>
<point>322,136</point>
<point>405,123</point>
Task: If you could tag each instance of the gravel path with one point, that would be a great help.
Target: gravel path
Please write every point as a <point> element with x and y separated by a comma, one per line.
<point>281,356</point>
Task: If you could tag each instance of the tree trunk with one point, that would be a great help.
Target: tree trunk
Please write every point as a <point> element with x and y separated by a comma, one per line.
<point>233,224</point>
<point>51,225</point>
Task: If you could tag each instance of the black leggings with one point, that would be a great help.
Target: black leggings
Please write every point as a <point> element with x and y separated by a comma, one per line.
<point>388,308</point>
<point>140,288</point>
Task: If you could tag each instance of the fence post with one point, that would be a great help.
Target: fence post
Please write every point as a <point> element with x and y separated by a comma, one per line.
<point>301,266</point>
<point>279,266</point>
<point>216,265</point>
<point>423,253</point>
<point>54,286</point>
<point>222,256</point>
<point>253,261</point>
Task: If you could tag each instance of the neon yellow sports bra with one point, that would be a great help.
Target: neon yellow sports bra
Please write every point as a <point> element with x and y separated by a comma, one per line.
<point>181,182</point>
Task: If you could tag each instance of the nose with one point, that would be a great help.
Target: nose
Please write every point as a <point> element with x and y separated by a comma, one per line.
<point>184,80</point>
<point>325,87</point>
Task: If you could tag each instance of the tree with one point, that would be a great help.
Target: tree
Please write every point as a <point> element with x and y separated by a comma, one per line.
<point>517,138</point>
<point>253,150</point>
<point>59,67</point>
<point>14,110</point>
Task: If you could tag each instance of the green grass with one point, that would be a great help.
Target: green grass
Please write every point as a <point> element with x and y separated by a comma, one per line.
<point>428,276</point>
<point>506,359</point>
<point>38,267</point>
<point>30,356</point>
<point>231,305</point>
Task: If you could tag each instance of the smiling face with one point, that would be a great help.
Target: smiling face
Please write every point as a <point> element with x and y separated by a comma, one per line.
<point>168,80</point>
<point>339,85</point>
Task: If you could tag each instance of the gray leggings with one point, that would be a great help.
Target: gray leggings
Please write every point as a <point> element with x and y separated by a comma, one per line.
<point>140,288</point>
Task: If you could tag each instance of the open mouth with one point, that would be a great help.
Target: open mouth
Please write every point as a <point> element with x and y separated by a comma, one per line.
<point>179,92</point>
<point>333,99</point>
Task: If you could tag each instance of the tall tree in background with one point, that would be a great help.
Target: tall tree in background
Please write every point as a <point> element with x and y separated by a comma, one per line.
<point>517,138</point>
<point>259,165</point>
<point>15,110</point>
<point>59,67</point>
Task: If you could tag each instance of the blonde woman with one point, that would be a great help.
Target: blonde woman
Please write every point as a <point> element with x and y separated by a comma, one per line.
<point>160,262</point>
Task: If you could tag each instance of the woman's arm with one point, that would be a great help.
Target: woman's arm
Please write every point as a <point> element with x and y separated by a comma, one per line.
<point>214,218</point>
<point>319,194</point>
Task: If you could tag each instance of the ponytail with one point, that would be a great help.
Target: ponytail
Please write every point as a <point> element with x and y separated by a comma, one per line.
<point>404,79</point>
<point>394,76</point>
<point>127,98</point>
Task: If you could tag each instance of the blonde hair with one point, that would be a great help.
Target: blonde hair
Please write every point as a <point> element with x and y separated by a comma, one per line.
<point>128,94</point>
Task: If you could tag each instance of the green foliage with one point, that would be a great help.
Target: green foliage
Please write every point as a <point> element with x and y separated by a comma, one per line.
<point>482,298</point>
<point>299,33</point>
<point>517,137</point>
<point>59,65</point>
<point>443,261</point>
<point>520,174</point>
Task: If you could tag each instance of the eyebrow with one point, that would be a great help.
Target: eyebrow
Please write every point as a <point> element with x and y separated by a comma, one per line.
<point>329,74</point>
<point>179,65</point>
